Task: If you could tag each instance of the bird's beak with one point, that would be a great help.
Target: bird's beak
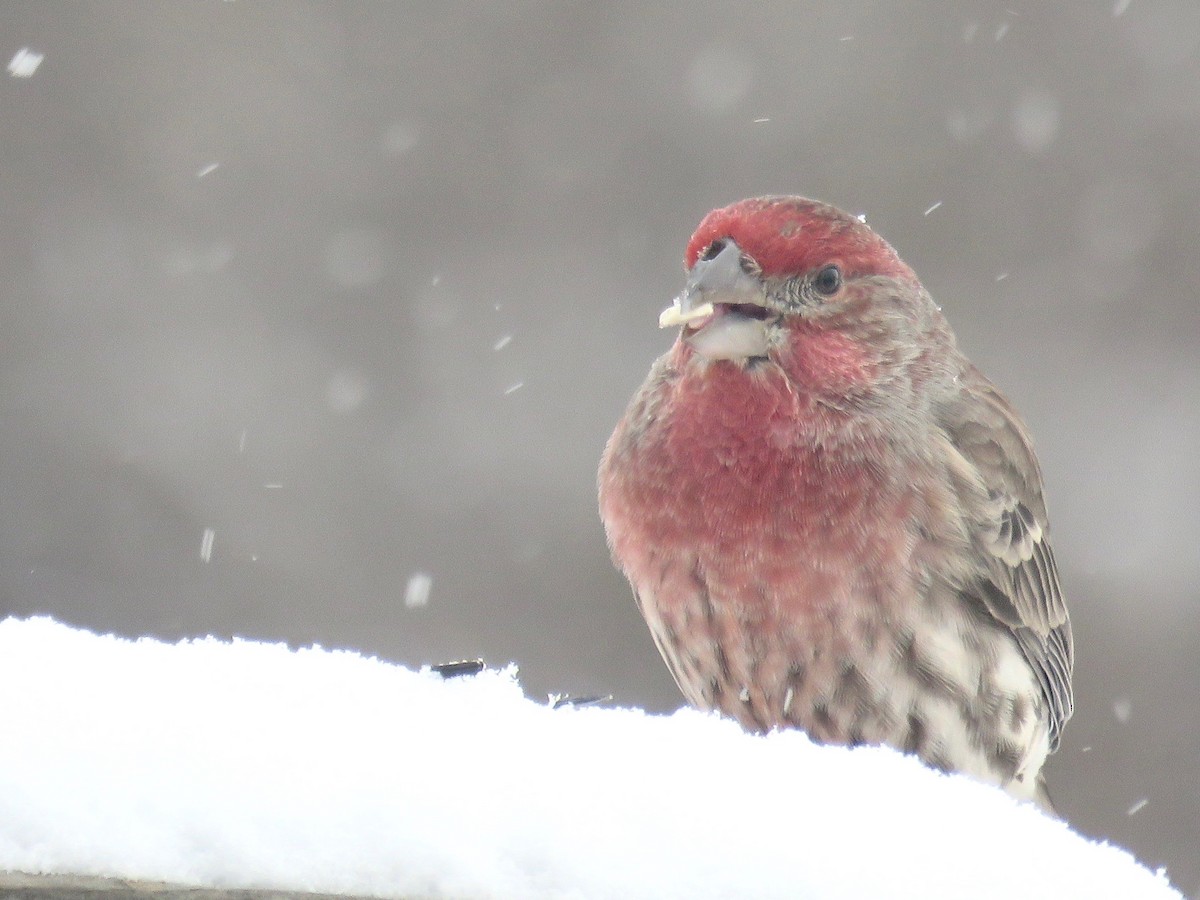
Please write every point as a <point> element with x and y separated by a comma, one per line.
<point>723,307</point>
<point>717,280</point>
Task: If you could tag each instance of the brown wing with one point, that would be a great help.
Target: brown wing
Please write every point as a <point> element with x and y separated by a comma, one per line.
<point>1003,482</point>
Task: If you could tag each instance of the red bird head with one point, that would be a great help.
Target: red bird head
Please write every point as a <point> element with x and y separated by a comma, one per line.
<point>806,286</point>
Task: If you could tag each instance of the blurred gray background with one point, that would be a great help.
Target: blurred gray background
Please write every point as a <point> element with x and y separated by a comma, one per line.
<point>360,289</point>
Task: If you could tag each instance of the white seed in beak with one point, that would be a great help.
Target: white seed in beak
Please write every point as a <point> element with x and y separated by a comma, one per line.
<point>674,315</point>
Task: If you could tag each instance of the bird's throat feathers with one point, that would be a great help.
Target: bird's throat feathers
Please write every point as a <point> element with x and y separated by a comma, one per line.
<point>816,369</point>
<point>757,415</point>
<point>723,453</point>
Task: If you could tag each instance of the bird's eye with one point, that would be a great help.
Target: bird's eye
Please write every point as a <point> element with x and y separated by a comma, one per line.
<point>828,280</point>
<point>711,251</point>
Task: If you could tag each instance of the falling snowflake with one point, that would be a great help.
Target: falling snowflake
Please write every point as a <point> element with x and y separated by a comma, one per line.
<point>24,63</point>
<point>206,544</point>
<point>416,594</point>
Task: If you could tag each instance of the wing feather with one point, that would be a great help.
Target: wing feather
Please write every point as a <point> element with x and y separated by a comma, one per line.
<point>1002,484</point>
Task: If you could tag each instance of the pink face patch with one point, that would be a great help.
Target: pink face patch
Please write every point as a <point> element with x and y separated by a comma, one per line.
<point>791,235</point>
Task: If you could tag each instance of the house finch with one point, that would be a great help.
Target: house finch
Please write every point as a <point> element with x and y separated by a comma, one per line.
<point>830,518</point>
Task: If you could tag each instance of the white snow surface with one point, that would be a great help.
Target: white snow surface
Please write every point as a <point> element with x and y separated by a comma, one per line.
<point>248,764</point>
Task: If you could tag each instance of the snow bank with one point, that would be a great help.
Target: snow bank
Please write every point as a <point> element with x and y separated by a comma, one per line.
<point>251,765</point>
